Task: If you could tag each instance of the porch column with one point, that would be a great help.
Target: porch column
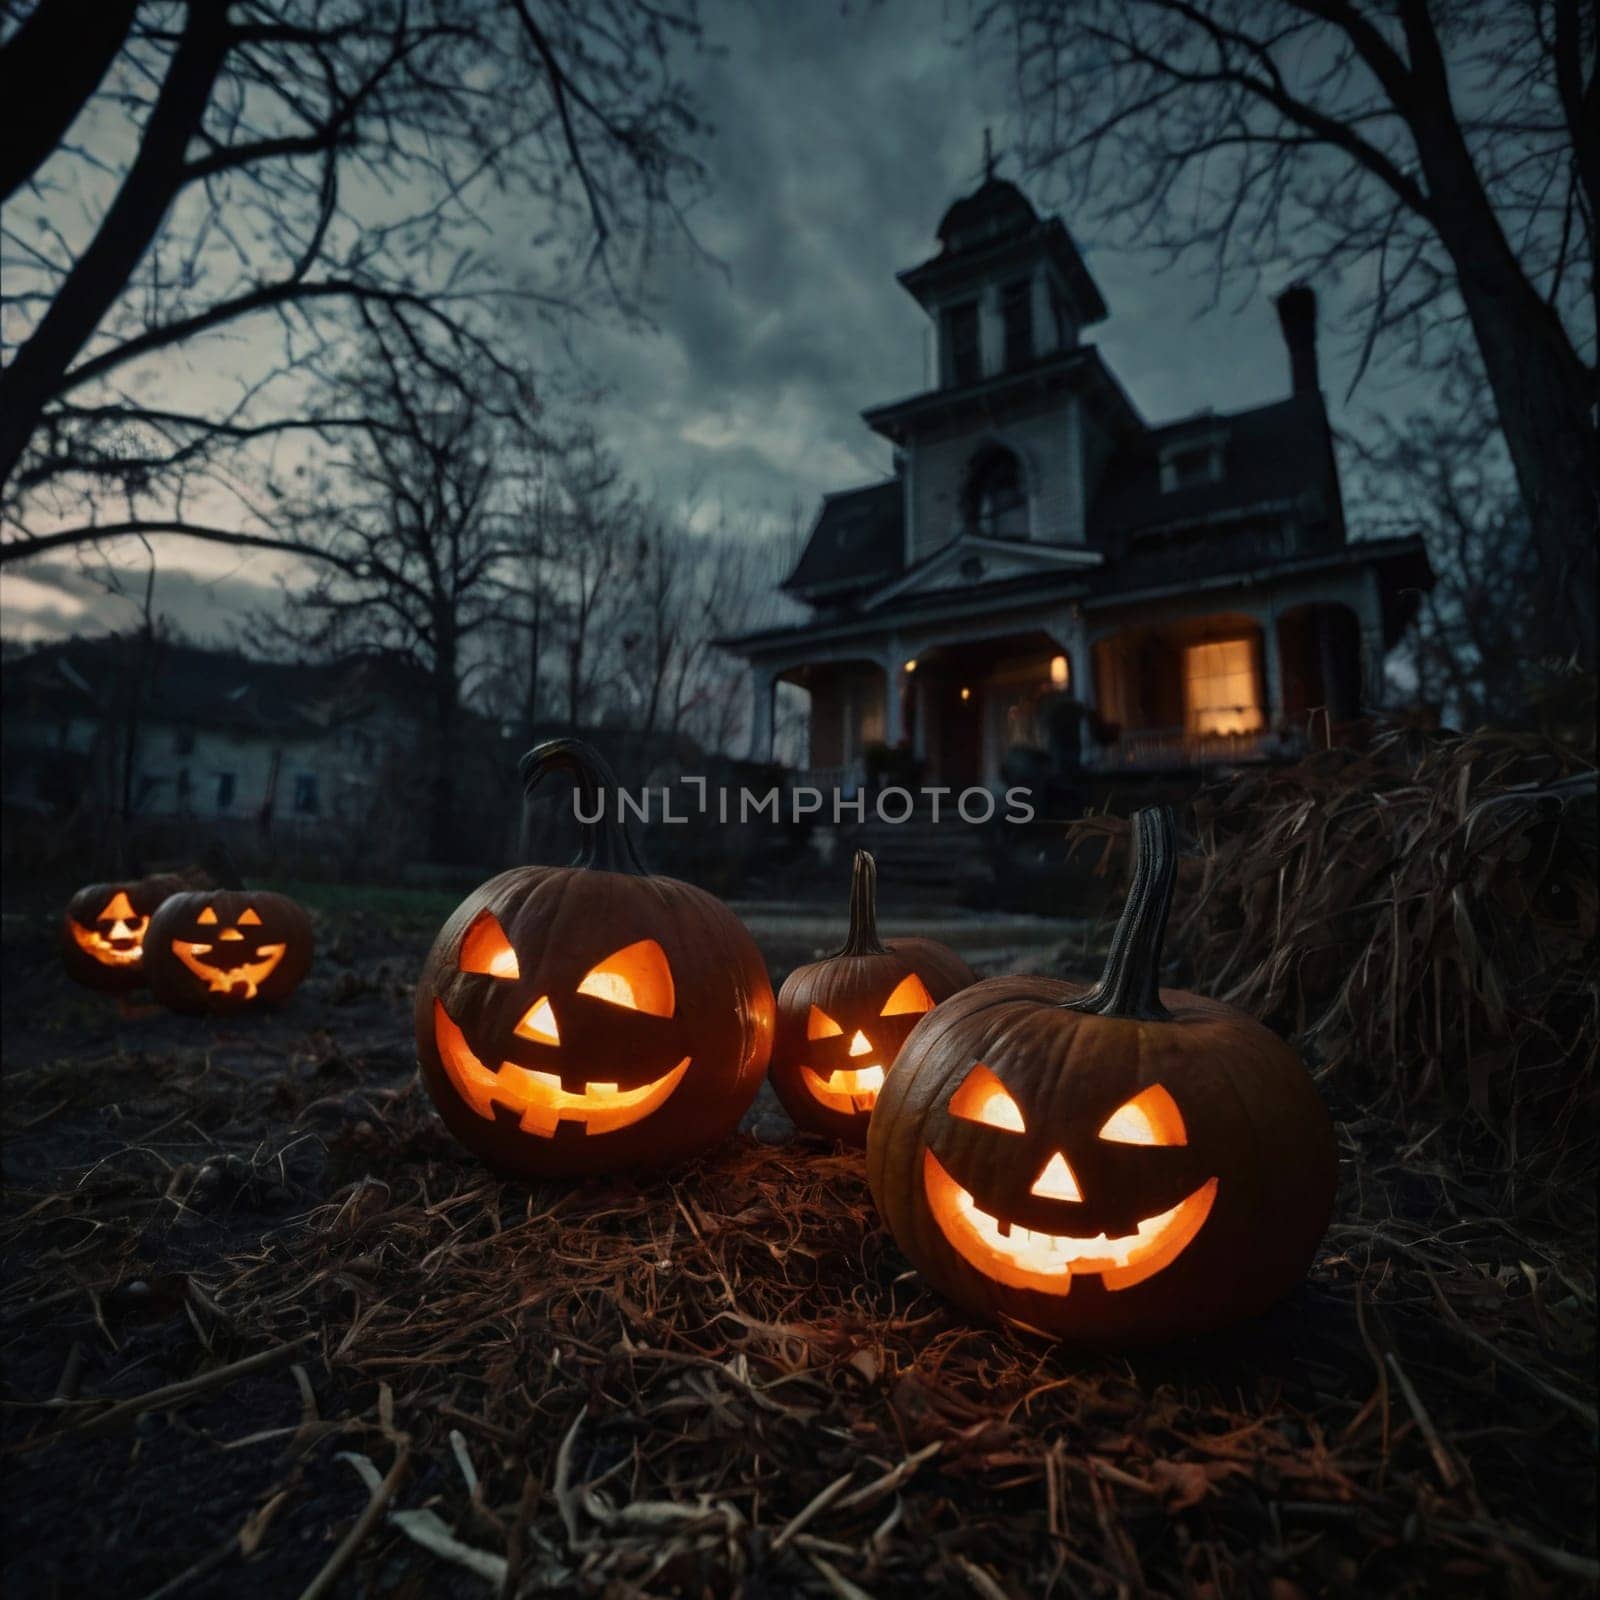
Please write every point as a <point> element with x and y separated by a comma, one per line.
<point>1271,670</point>
<point>764,686</point>
<point>1369,612</point>
<point>919,730</point>
<point>1082,689</point>
<point>894,721</point>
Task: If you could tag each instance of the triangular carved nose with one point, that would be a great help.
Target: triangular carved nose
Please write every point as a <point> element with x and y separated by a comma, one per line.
<point>539,1023</point>
<point>1057,1181</point>
<point>859,1045</point>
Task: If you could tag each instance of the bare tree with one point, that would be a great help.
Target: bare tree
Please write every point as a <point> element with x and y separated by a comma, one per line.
<point>1473,646</point>
<point>1446,155</point>
<point>417,544</point>
<point>196,184</point>
<point>593,542</point>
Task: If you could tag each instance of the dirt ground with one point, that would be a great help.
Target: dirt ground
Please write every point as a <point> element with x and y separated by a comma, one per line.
<point>724,1382</point>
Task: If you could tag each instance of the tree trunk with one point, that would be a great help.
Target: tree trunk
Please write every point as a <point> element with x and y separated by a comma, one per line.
<point>61,52</point>
<point>1543,396</point>
<point>38,370</point>
<point>442,832</point>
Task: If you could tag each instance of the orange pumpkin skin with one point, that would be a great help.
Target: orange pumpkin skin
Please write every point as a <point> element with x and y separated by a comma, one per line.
<point>227,950</point>
<point>542,1060</point>
<point>1230,1171</point>
<point>104,927</point>
<point>842,1020</point>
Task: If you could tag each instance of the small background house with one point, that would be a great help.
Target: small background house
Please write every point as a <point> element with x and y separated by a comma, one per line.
<point>317,767</point>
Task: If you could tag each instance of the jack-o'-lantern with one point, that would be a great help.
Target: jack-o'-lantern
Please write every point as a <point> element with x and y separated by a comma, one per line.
<point>842,1020</point>
<point>591,1018</point>
<point>103,931</point>
<point>1117,1165</point>
<point>228,949</point>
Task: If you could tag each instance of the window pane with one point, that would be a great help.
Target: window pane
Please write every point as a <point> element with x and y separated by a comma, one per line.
<point>1017,309</point>
<point>1221,694</point>
<point>961,330</point>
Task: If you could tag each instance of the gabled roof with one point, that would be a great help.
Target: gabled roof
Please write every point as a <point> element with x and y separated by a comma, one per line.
<point>858,541</point>
<point>1272,455</point>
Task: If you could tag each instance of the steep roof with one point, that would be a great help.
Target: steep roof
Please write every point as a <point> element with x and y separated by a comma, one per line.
<point>992,211</point>
<point>1271,454</point>
<point>858,540</point>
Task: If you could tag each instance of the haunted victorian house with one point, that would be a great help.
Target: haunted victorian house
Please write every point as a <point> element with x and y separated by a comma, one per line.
<point>1048,570</point>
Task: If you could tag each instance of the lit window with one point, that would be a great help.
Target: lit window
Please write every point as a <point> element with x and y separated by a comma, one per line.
<point>1221,691</point>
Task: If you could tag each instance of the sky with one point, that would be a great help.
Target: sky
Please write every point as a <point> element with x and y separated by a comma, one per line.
<point>842,133</point>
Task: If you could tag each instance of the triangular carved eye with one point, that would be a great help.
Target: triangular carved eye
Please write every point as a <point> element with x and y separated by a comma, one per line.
<point>910,995</point>
<point>636,977</point>
<point>208,916</point>
<point>248,919</point>
<point>819,1025</point>
<point>983,1098</point>
<point>486,949</point>
<point>1151,1117</point>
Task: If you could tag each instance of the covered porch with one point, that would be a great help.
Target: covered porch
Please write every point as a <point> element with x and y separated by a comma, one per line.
<point>1228,686</point>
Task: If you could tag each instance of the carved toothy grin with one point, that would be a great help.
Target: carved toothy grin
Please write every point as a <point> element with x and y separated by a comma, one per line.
<point>538,1096</point>
<point>1026,1258</point>
<point>113,951</point>
<point>850,1089</point>
<point>224,980</point>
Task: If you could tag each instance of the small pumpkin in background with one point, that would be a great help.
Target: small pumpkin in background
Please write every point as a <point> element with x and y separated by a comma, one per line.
<point>591,1018</point>
<point>227,949</point>
<point>1120,1165</point>
<point>103,930</point>
<point>842,1020</point>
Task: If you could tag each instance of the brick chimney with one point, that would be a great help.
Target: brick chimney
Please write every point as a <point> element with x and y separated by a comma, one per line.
<point>1297,311</point>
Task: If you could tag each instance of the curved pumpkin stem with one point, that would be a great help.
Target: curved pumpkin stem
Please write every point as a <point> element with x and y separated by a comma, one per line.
<point>607,844</point>
<point>1130,984</point>
<point>863,939</point>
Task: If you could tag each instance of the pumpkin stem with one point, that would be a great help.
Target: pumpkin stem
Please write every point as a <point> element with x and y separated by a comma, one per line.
<point>1130,984</point>
<point>607,844</point>
<point>863,939</point>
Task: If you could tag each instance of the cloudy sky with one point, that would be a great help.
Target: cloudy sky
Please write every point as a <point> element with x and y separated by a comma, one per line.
<point>842,134</point>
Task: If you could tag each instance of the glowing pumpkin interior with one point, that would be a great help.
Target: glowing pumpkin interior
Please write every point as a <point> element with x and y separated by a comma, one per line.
<point>226,971</point>
<point>1029,1258</point>
<point>637,977</point>
<point>854,1089</point>
<point>117,937</point>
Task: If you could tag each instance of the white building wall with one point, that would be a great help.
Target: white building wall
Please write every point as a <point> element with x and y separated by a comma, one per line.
<point>1048,443</point>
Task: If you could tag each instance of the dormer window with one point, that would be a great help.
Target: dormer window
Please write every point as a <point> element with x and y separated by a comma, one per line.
<point>1192,460</point>
<point>962,361</point>
<point>996,499</point>
<point>1016,309</point>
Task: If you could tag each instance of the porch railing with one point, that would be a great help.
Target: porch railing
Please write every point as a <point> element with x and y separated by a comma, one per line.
<point>1177,747</point>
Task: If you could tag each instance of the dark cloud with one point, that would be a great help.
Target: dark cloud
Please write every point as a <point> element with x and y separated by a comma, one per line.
<point>842,134</point>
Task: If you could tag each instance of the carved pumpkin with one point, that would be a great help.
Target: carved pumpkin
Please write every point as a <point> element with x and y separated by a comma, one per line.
<point>227,949</point>
<point>591,1018</point>
<point>1118,1165</point>
<point>103,931</point>
<point>841,1021</point>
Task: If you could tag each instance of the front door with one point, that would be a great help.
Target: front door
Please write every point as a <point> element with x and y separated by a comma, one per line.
<point>960,733</point>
